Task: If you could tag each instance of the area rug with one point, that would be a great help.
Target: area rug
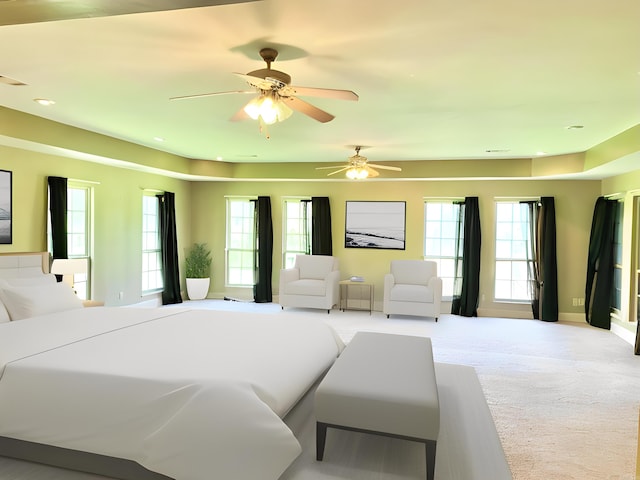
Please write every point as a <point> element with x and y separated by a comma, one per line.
<point>468,445</point>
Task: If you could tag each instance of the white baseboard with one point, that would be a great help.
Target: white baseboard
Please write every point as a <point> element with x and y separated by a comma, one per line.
<point>627,335</point>
<point>572,317</point>
<point>504,313</point>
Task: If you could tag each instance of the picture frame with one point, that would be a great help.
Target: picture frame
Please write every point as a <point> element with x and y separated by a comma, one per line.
<point>375,224</point>
<point>6,227</point>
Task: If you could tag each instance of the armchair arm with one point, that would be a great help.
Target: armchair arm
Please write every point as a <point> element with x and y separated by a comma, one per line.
<point>288,275</point>
<point>332,285</point>
<point>389,281</point>
<point>435,283</point>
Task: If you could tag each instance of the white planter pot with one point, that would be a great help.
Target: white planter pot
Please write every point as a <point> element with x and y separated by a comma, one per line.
<point>197,288</point>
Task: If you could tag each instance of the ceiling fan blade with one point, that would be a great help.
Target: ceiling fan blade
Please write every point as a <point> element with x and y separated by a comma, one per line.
<point>201,95</point>
<point>384,167</point>
<point>372,173</point>
<point>318,92</point>
<point>240,115</point>
<point>337,171</point>
<point>257,82</point>
<point>328,168</point>
<point>303,107</point>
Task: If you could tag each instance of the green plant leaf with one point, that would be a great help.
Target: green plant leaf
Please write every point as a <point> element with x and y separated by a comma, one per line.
<point>198,261</point>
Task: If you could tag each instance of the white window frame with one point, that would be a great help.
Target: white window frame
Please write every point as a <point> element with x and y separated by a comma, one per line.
<point>513,251</point>
<point>79,224</point>
<point>80,233</point>
<point>439,239</point>
<point>151,277</point>
<point>239,250</point>
<point>618,246</point>
<point>294,229</point>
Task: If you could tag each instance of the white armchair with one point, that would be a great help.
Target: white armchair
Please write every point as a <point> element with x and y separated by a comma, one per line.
<point>311,283</point>
<point>412,288</point>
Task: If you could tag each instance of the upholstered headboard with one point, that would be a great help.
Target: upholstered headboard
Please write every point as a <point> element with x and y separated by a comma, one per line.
<point>28,264</point>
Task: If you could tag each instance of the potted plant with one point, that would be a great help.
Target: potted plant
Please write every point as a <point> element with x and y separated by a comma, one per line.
<point>198,269</point>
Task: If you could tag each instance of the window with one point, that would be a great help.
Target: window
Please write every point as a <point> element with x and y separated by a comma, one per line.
<point>616,294</point>
<point>79,197</point>
<point>512,252</point>
<point>79,231</point>
<point>151,250</point>
<point>440,225</point>
<point>240,238</point>
<point>296,237</point>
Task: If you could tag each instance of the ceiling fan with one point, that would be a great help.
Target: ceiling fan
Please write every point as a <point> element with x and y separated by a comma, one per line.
<point>276,97</point>
<point>358,167</point>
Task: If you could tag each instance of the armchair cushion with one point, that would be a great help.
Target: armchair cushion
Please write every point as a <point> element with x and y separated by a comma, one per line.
<point>306,286</point>
<point>411,293</point>
<point>314,266</point>
<point>411,272</point>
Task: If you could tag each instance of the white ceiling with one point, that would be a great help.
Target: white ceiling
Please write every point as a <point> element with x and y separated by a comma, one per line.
<point>437,79</point>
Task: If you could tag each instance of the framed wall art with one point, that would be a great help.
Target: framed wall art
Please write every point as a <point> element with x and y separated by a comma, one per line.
<point>372,224</point>
<point>5,207</point>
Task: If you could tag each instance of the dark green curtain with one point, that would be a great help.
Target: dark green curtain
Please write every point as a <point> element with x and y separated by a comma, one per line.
<point>637,347</point>
<point>263,250</point>
<point>169,249</point>
<point>321,241</point>
<point>599,283</point>
<point>58,216</point>
<point>545,241</point>
<point>467,285</point>
<point>533,257</point>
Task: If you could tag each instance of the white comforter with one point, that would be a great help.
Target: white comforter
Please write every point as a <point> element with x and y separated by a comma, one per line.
<point>190,394</point>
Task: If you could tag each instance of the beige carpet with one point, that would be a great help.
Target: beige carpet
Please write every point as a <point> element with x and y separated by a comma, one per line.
<point>564,397</point>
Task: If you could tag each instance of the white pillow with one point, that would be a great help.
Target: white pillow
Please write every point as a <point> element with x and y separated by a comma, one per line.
<point>23,302</point>
<point>45,279</point>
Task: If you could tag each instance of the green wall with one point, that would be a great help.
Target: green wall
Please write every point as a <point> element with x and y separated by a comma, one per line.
<point>574,208</point>
<point>117,214</point>
<point>33,148</point>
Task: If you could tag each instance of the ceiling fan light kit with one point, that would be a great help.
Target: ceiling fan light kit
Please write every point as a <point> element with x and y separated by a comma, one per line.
<point>358,168</point>
<point>277,99</point>
<point>267,108</point>
<point>355,173</point>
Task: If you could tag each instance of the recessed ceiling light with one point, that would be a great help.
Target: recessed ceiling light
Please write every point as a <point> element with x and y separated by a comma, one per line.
<point>574,127</point>
<point>158,139</point>
<point>497,150</point>
<point>44,101</point>
<point>541,153</point>
<point>219,158</point>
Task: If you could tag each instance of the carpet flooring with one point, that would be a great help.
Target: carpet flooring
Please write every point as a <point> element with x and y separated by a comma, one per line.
<point>564,397</point>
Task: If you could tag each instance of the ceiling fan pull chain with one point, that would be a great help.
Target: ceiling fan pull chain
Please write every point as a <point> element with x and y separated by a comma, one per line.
<point>263,128</point>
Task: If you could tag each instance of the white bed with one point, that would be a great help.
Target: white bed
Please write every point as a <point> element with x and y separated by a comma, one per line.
<point>187,394</point>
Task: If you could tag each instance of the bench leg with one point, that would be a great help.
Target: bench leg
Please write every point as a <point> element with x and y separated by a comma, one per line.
<point>430,449</point>
<point>321,436</point>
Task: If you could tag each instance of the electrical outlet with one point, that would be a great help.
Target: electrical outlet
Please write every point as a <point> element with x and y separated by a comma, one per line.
<point>581,302</point>
<point>120,295</point>
<point>575,302</point>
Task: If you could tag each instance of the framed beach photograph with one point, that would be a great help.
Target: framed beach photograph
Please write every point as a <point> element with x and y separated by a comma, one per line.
<point>5,207</point>
<point>372,224</point>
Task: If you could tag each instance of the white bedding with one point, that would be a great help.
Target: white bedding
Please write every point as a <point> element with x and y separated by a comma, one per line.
<point>190,394</point>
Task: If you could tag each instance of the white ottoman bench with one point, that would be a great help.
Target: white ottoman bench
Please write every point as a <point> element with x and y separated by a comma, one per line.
<point>383,384</point>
